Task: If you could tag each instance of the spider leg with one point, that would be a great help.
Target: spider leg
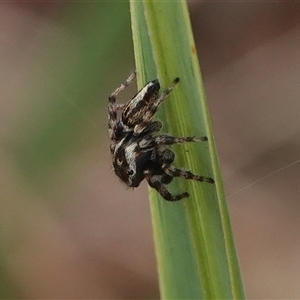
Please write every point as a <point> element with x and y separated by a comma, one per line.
<point>167,157</point>
<point>156,183</point>
<point>175,172</point>
<point>112,98</point>
<point>113,107</point>
<point>119,106</point>
<point>148,128</point>
<point>168,140</point>
<point>166,179</point>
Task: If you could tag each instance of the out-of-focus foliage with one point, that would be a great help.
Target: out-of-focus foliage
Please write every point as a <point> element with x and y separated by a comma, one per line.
<point>69,75</point>
<point>61,63</point>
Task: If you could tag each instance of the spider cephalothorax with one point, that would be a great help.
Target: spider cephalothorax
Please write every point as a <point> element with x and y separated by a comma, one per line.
<point>137,153</point>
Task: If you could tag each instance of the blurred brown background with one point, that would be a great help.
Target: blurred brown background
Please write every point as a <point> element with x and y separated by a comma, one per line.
<point>68,227</point>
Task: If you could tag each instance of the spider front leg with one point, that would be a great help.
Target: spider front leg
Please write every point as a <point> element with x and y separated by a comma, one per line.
<point>156,182</point>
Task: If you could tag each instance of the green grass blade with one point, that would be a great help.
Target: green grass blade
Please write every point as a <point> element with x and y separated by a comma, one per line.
<point>193,239</point>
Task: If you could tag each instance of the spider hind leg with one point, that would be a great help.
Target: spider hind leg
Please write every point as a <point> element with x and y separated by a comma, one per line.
<point>157,183</point>
<point>176,172</point>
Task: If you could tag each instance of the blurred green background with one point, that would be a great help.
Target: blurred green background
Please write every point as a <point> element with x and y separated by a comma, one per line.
<point>73,57</point>
<point>68,227</point>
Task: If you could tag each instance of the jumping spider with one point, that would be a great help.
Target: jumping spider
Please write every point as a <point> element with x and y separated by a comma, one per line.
<point>137,153</point>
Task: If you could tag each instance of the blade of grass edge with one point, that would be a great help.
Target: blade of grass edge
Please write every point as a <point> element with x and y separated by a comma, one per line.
<point>194,246</point>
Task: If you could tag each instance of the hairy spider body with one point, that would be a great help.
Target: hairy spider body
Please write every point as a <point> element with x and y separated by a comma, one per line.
<point>137,153</point>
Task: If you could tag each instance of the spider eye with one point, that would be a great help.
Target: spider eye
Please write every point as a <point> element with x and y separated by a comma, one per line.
<point>129,172</point>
